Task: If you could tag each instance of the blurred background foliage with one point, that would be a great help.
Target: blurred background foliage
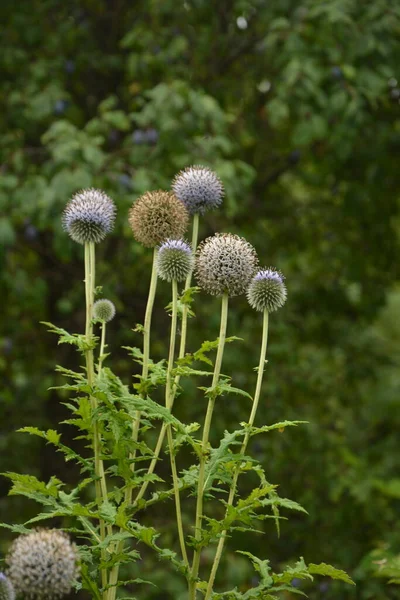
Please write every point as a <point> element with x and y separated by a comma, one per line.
<point>295,104</point>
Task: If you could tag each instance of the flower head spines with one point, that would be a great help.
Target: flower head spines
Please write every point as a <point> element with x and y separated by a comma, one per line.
<point>267,290</point>
<point>89,216</point>
<point>225,264</point>
<point>199,188</point>
<point>175,260</point>
<point>104,310</point>
<point>7,591</point>
<point>42,564</point>
<point>157,216</point>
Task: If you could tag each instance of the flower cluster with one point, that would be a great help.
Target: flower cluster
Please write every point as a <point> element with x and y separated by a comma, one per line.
<point>267,290</point>
<point>156,216</point>
<point>89,216</point>
<point>175,260</point>
<point>42,564</point>
<point>199,188</point>
<point>225,264</point>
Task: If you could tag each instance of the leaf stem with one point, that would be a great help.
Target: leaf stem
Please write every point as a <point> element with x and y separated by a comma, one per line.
<point>232,490</point>
<point>205,449</point>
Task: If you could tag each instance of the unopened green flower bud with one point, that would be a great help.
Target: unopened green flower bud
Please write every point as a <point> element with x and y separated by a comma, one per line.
<point>104,310</point>
<point>175,260</point>
<point>157,216</point>
<point>267,290</point>
<point>225,264</point>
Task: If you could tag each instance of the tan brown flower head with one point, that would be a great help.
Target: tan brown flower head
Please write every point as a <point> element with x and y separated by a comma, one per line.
<point>225,264</point>
<point>156,216</point>
<point>42,564</point>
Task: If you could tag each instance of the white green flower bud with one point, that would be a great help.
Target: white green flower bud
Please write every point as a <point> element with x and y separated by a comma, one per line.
<point>104,310</point>
<point>225,264</point>
<point>42,565</point>
<point>267,290</point>
<point>175,260</point>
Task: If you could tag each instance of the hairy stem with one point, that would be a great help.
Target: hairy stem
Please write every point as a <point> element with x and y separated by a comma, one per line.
<point>204,449</point>
<point>136,425</point>
<point>232,490</point>
<point>182,350</point>
<point>100,483</point>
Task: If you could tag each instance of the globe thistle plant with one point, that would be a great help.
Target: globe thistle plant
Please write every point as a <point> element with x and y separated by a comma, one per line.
<point>89,216</point>
<point>267,290</point>
<point>199,188</point>
<point>156,216</point>
<point>6,588</point>
<point>175,260</point>
<point>42,564</point>
<point>225,264</point>
<point>104,310</point>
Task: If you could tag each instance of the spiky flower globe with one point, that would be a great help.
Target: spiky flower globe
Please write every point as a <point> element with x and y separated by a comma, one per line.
<point>89,216</point>
<point>175,260</point>
<point>157,216</point>
<point>6,588</point>
<point>225,264</point>
<point>267,290</point>
<point>199,188</point>
<point>42,564</point>
<point>104,310</point>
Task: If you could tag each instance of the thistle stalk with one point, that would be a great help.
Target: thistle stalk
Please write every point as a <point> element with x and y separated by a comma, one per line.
<point>182,350</point>
<point>136,425</point>
<point>100,483</point>
<point>232,490</point>
<point>168,404</point>
<point>204,445</point>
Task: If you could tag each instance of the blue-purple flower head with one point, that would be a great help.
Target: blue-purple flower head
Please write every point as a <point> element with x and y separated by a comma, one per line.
<point>267,290</point>
<point>175,260</point>
<point>6,588</point>
<point>89,216</point>
<point>199,188</point>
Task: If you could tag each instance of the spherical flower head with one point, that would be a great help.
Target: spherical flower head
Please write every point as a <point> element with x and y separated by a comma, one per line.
<point>89,216</point>
<point>267,290</point>
<point>199,188</point>
<point>175,260</point>
<point>42,564</point>
<point>157,216</point>
<point>225,264</point>
<point>104,310</point>
<point>6,588</point>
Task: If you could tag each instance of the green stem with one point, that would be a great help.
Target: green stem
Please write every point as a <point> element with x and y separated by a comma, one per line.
<point>204,449</point>
<point>182,350</point>
<point>136,424</point>
<point>232,490</point>
<point>102,346</point>
<point>100,483</point>
<point>168,402</point>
